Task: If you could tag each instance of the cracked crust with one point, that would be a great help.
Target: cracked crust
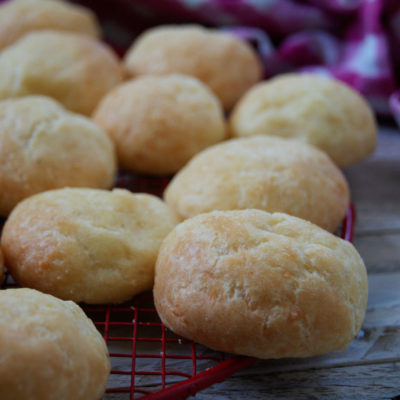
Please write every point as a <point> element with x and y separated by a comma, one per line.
<point>78,76</point>
<point>260,284</point>
<point>43,147</point>
<point>86,245</point>
<point>158,123</point>
<point>18,17</point>
<point>228,65</point>
<point>49,349</point>
<point>330,116</point>
<point>263,172</point>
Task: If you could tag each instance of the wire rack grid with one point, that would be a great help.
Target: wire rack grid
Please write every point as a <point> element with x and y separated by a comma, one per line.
<point>148,361</point>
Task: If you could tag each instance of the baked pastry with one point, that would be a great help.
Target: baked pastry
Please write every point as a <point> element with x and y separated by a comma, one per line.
<point>86,245</point>
<point>260,284</point>
<point>159,122</point>
<point>312,109</point>
<point>228,65</point>
<point>18,17</point>
<point>262,172</point>
<point>49,349</point>
<point>75,69</point>
<point>43,146</point>
<point>1,268</point>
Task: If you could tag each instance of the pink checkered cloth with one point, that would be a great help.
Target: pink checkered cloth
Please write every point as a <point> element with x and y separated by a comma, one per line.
<point>356,41</point>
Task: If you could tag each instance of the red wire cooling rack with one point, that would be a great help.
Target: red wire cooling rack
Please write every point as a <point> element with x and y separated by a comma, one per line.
<point>148,360</point>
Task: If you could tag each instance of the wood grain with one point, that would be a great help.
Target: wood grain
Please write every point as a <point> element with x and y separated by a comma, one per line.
<point>367,382</point>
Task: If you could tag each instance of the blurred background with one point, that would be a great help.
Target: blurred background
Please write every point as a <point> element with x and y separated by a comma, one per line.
<point>356,41</point>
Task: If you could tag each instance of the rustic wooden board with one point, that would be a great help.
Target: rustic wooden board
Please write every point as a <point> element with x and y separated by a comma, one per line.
<point>367,382</point>
<point>375,187</point>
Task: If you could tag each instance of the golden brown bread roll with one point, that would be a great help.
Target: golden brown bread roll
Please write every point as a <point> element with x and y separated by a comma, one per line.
<point>18,17</point>
<point>49,349</point>
<point>86,245</point>
<point>159,123</point>
<point>312,109</point>
<point>260,284</point>
<point>228,65</point>
<point>43,146</point>
<point>75,69</point>
<point>262,172</point>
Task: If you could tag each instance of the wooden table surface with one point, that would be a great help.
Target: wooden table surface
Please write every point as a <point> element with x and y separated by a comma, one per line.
<point>370,367</point>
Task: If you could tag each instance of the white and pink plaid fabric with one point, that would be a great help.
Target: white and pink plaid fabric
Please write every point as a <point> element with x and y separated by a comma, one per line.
<point>356,41</point>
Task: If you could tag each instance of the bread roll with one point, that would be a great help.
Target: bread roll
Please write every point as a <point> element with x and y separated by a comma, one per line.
<point>86,245</point>
<point>75,69</point>
<point>49,349</point>
<point>159,123</point>
<point>228,65</point>
<point>19,17</point>
<point>311,109</point>
<point>266,173</point>
<point>260,284</point>
<point>43,146</point>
